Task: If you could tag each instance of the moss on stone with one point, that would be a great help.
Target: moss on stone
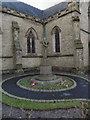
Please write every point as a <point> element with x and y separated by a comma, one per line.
<point>22,11</point>
<point>76,18</point>
<point>7,71</point>
<point>17,45</point>
<point>15,25</point>
<point>13,9</point>
<point>78,44</point>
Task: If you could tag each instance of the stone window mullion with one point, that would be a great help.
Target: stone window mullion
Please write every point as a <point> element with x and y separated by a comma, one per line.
<point>31,41</point>
<point>53,39</point>
<point>30,45</point>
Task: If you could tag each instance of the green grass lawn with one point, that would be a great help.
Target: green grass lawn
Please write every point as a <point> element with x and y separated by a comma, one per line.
<point>35,105</point>
<point>38,106</point>
<point>65,83</point>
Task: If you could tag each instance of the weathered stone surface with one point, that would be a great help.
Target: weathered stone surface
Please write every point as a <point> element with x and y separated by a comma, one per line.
<point>45,70</point>
<point>78,44</point>
<point>69,25</point>
<point>15,25</point>
<point>8,43</point>
<point>84,24</point>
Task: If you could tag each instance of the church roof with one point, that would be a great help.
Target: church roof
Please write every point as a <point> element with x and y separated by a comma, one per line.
<point>28,9</point>
<point>55,9</point>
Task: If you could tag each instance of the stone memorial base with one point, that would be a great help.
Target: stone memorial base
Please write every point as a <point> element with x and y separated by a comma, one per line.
<point>46,80</point>
<point>45,70</point>
<point>46,77</point>
<point>46,73</point>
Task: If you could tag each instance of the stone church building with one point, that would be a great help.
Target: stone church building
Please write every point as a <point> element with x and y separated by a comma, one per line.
<point>66,26</point>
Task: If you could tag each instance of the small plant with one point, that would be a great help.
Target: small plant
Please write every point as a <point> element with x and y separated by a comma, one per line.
<point>84,110</point>
<point>27,114</point>
<point>76,18</point>
<point>81,73</point>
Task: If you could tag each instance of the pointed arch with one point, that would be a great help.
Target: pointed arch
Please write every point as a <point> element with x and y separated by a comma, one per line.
<point>31,36</point>
<point>54,29</point>
<point>33,32</point>
<point>56,37</point>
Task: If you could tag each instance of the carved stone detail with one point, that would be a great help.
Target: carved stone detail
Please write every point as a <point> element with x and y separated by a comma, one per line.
<point>45,42</point>
<point>17,50</point>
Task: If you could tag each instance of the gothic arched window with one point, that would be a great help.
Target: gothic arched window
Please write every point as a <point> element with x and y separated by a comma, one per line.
<point>31,38</point>
<point>56,39</point>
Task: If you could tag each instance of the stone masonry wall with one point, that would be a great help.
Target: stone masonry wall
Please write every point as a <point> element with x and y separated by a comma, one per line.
<point>84,26</point>
<point>66,56</point>
<point>0,41</point>
<point>7,37</point>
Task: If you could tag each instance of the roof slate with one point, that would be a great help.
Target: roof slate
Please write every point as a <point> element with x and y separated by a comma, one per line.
<point>55,9</point>
<point>42,14</point>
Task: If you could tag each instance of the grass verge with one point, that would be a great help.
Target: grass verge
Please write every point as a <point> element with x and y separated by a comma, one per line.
<point>38,106</point>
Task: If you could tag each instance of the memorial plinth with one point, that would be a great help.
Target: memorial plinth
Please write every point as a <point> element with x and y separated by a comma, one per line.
<point>46,76</point>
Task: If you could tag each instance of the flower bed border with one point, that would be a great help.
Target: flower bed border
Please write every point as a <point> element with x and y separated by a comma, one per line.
<point>40,90</point>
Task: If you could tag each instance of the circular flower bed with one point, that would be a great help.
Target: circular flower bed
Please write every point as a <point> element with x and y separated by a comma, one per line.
<point>64,83</point>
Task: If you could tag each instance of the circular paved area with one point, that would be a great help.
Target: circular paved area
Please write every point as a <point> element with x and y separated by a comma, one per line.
<point>81,91</point>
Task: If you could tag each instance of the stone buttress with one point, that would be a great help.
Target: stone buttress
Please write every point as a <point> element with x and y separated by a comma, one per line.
<point>78,49</point>
<point>17,48</point>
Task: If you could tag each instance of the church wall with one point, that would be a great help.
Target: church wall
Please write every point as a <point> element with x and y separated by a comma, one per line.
<point>84,26</point>
<point>0,42</point>
<point>31,62</point>
<point>7,63</point>
<point>8,43</point>
<point>66,56</point>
